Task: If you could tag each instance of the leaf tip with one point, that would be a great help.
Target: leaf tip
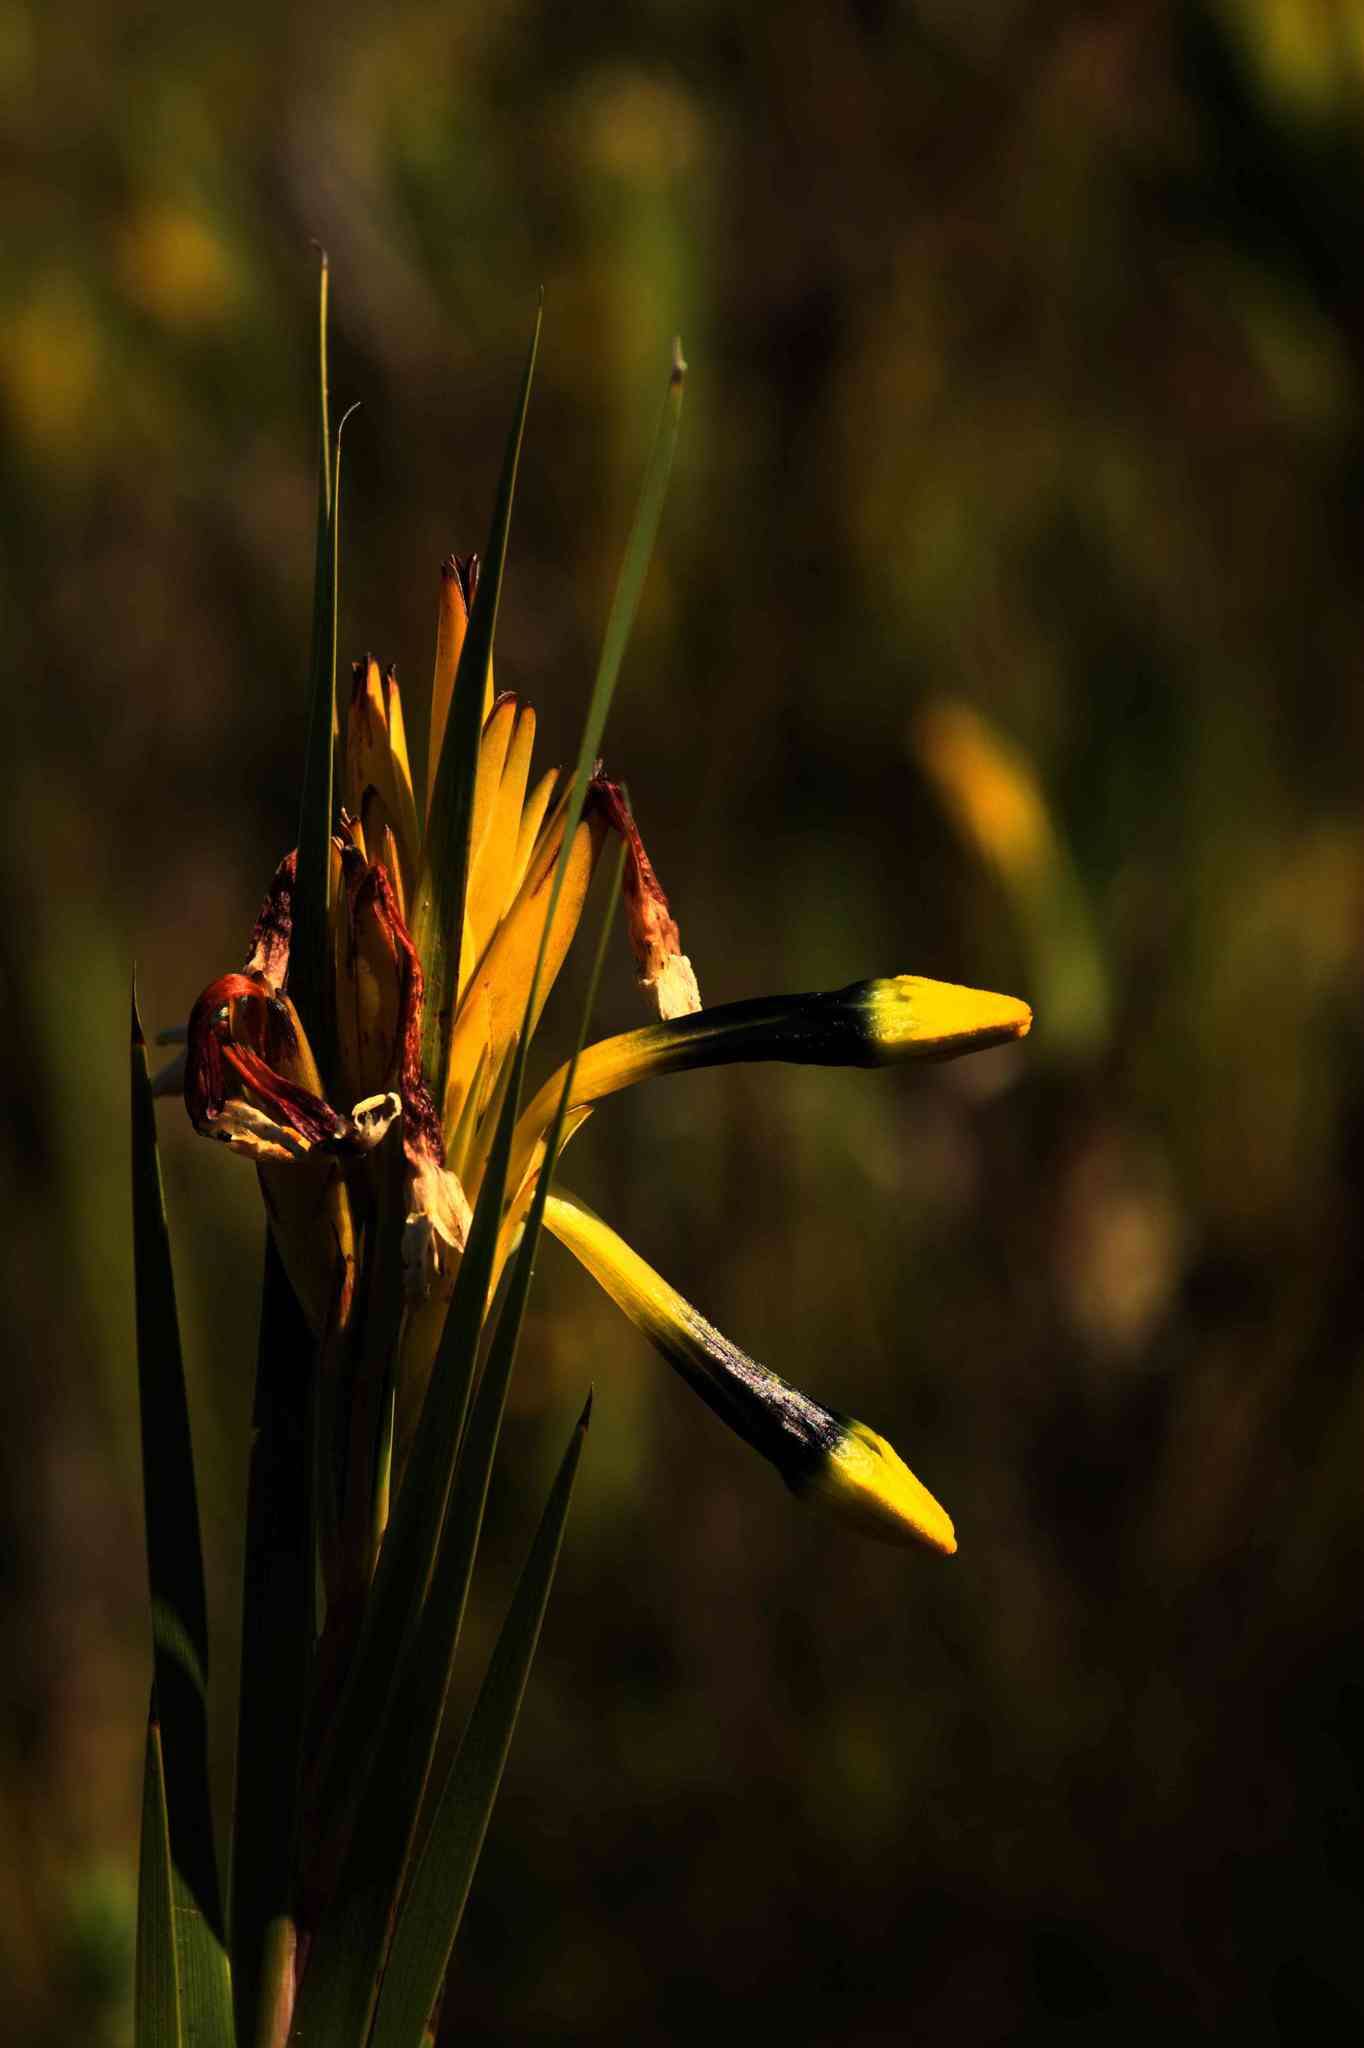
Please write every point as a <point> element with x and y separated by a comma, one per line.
<point>678,374</point>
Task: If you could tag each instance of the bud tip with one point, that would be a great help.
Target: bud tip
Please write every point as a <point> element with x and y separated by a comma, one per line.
<point>909,1015</point>
<point>865,1481</point>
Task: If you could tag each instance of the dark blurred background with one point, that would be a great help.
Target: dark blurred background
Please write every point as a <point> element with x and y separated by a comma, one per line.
<point>1006,627</point>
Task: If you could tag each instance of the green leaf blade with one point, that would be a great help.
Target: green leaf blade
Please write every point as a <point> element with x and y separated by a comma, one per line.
<point>438,916</point>
<point>438,1639</point>
<point>276,1667</point>
<point>156,1997</point>
<point>336,1998</point>
<point>176,1581</point>
<point>309,980</point>
<point>634,567</point>
<point>444,1872</point>
<point>347,1958</point>
<point>393,1689</point>
<point>407,1557</point>
<point>620,620</point>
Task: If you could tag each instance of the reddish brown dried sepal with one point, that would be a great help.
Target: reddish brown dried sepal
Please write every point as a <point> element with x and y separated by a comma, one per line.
<point>296,1107</point>
<point>463,570</point>
<point>205,1068</point>
<point>242,1031</point>
<point>370,889</point>
<point>273,932</point>
<point>654,937</point>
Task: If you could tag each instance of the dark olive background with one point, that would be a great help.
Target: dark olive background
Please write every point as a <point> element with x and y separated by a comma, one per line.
<point>1026,351</point>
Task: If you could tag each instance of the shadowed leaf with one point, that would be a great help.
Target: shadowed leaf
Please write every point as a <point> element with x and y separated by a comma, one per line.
<point>156,2007</point>
<point>438,920</point>
<point>277,1648</point>
<point>309,980</point>
<point>440,1883</point>
<point>175,1572</point>
<point>338,1991</point>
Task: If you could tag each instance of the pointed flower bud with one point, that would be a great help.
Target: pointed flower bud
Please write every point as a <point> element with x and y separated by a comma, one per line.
<point>906,1016</point>
<point>822,1455</point>
<point>867,1024</point>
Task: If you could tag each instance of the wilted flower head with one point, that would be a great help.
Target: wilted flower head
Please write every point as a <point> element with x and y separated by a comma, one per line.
<point>253,1079</point>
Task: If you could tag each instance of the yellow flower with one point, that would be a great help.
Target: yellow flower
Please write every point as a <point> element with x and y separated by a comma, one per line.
<point>251,1077</point>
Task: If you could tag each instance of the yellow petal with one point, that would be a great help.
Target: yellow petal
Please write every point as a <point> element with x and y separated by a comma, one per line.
<point>481,1143</point>
<point>532,818</point>
<point>492,756</point>
<point>452,623</point>
<point>378,999</point>
<point>387,852</point>
<point>492,1010</point>
<point>462,1132</point>
<point>372,764</point>
<point>490,876</point>
<point>366,733</point>
<point>375,819</point>
<point>310,1215</point>
<point>470,1053</point>
<point>397,744</point>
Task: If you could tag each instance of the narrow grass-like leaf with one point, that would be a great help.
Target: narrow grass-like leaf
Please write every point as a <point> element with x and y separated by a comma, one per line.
<point>438,1639</point>
<point>440,1885</point>
<point>277,1652</point>
<point>624,606</point>
<point>370,1447</point>
<point>156,1997</point>
<point>438,912</point>
<point>336,1999</point>
<point>408,1553</point>
<point>309,980</point>
<point>409,1549</point>
<point>634,568</point>
<point>387,1823</point>
<point>381,1496</point>
<point>406,1562</point>
<point>175,1570</point>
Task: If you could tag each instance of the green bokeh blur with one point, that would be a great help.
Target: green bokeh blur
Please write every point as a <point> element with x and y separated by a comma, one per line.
<point>1027,375</point>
